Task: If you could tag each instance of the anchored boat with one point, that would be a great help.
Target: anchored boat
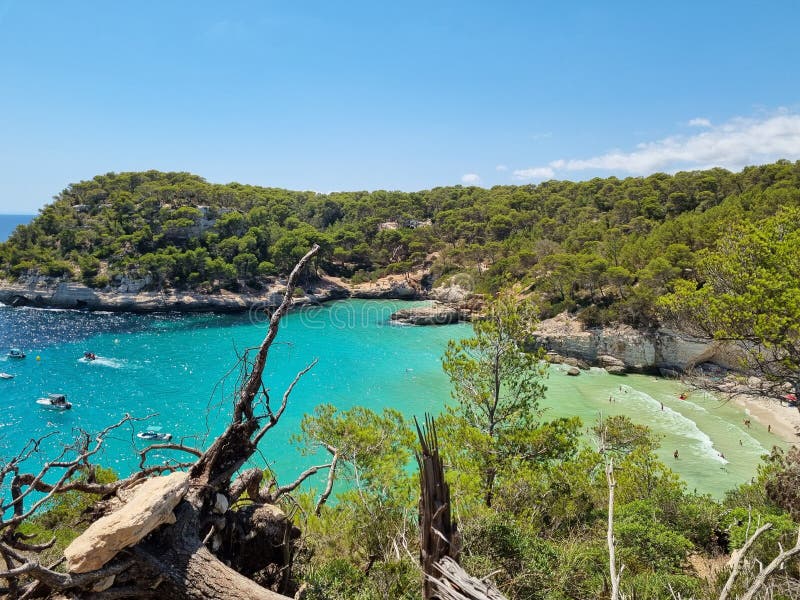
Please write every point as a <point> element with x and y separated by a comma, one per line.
<point>154,436</point>
<point>54,402</point>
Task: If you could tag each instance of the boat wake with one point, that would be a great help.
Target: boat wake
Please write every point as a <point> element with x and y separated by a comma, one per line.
<point>101,361</point>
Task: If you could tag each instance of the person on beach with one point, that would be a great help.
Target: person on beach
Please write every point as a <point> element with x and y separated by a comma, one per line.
<point>662,406</point>
<point>747,423</point>
<point>769,428</point>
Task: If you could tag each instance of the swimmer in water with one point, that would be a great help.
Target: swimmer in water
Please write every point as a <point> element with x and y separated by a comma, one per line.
<point>675,454</point>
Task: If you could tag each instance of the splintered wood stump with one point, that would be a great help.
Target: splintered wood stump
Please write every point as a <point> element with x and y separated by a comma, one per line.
<point>454,583</point>
<point>438,533</point>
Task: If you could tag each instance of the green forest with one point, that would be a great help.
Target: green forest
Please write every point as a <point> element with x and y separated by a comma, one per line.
<point>716,250</point>
<point>604,248</point>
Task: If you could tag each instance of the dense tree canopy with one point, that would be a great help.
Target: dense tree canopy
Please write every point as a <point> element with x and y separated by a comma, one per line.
<point>749,295</point>
<point>607,248</point>
<point>497,387</point>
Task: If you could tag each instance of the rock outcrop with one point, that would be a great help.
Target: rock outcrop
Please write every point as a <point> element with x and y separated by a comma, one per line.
<point>389,288</point>
<point>438,314</point>
<point>149,507</point>
<point>48,294</point>
<point>622,348</point>
<point>450,294</point>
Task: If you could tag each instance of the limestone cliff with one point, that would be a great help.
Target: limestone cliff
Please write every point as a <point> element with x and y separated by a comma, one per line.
<point>662,350</point>
<point>67,294</point>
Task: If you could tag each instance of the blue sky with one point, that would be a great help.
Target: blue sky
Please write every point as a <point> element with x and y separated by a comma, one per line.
<point>396,95</point>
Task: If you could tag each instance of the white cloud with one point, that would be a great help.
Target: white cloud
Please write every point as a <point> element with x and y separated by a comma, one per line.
<point>471,179</point>
<point>535,173</point>
<point>732,145</point>
<point>501,168</point>
<point>699,122</point>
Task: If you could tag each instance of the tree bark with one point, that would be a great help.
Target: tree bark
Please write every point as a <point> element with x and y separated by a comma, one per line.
<point>189,571</point>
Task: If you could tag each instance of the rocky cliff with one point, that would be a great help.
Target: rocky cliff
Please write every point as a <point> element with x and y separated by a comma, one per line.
<point>664,350</point>
<point>67,294</point>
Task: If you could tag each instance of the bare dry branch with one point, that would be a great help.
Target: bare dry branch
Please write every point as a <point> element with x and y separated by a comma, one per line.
<point>738,556</point>
<point>612,558</point>
<point>273,418</point>
<point>776,563</point>
<point>329,483</point>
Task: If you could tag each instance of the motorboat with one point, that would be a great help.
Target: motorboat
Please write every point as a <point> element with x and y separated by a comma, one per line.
<point>54,402</point>
<point>89,355</point>
<point>15,353</point>
<point>6,376</point>
<point>154,436</point>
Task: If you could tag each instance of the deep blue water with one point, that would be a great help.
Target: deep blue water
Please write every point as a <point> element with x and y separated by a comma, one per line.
<point>9,222</point>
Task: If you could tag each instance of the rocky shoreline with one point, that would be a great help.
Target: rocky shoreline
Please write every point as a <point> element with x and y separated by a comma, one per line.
<point>44,292</point>
<point>72,295</point>
<point>620,349</point>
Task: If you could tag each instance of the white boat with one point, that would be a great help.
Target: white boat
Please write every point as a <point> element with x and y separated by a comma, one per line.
<point>15,353</point>
<point>154,436</point>
<point>6,376</point>
<point>54,402</point>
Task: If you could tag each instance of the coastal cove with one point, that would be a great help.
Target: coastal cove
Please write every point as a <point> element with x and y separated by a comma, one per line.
<point>182,367</point>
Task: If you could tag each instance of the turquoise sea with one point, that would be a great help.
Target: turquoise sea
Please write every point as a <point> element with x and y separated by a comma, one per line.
<point>182,369</point>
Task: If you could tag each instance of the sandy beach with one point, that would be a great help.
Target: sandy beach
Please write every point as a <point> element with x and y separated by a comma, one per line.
<point>784,421</point>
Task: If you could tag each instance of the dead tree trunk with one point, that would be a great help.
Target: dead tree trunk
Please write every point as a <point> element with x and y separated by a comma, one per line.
<point>175,561</point>
<point>438,534</point>
<point>440,541</point>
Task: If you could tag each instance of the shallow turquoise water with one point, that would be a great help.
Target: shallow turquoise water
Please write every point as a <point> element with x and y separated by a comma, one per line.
<point>180,368</point>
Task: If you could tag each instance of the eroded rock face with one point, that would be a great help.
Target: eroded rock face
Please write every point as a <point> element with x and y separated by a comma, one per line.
<point>427,315</point>
<point>624,348</point>
<point>149,507</point>
<point>387,289</point>
<point>453,294</point>
<point>49,294</point>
